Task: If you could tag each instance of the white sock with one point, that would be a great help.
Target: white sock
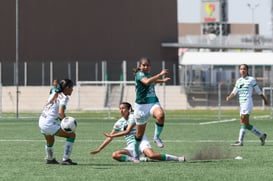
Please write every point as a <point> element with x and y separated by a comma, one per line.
<point>256,132</point>
<point>49,152</point>
<point>241,135</point>
<point>171,157</point>
<point>67,150</point>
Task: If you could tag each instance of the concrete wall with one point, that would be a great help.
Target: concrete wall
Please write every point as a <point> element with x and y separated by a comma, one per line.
<point>33,98</point>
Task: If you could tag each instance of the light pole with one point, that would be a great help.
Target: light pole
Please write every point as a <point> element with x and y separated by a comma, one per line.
<point>252,7</point>
<point>17,57</point>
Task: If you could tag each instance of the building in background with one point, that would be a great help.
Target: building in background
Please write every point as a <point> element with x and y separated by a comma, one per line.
<point>54,35</point>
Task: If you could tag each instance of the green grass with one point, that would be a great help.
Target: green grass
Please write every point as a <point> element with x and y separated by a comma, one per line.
<point>206,146</point>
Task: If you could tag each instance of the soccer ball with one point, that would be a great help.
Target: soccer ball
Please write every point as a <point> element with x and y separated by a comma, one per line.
<point>69,124</point>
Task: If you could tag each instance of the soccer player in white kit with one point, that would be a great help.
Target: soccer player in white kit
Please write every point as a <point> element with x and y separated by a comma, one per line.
<point>244,87</point>
<point>49,126</point>
<point>125,126</point>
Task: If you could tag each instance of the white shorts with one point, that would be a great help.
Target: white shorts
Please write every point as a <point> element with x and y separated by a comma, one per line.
<point>48,127</point>
<point>142,112</point>
<point>246,108</point>
<point>143,145</point>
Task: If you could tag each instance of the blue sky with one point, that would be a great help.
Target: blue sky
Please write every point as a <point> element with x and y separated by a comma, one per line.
<point>238,12</point>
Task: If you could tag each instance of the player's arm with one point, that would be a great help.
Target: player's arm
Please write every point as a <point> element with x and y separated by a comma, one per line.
<point>122,133</point>
<point>103,145</point>
<point>264,99</point>
<point>166,79</point>
<point>155,78</point>
<point>230,96</point>
<point>259,91</point>
<point>61,112</point>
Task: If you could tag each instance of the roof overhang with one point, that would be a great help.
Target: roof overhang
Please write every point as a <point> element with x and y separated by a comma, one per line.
<point>226,58</point>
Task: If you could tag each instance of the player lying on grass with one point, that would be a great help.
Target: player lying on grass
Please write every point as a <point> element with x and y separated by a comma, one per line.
<point>125,126</point>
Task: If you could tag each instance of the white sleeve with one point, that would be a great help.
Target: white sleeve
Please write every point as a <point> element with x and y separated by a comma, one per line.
<point>258,90</point>
<point>256,87</point>
<point>235,90</point>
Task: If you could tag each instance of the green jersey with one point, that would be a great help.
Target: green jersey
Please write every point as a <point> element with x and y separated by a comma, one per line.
<point>122,124</point>
<point>145,94</point>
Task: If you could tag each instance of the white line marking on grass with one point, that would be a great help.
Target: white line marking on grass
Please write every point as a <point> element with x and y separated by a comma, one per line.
<point>261,117</point>
<point>184,124</point>
<point>221,121</point>
<point>121,140</point>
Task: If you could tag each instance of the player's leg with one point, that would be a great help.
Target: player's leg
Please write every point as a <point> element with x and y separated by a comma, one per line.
<point>162,156</point>
<point>49,129</point>
<point>245,109</point>
<point>70,139</point>
<point>255,131</point>
<point>159,114</point>
<point>123,155</point>
<point>140,130</point>
<point>141,115</point>
<point>50,159</point>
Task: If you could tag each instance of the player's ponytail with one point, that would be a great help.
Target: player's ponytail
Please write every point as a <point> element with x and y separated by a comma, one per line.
<point>63,84</point>
<point>128,106</point>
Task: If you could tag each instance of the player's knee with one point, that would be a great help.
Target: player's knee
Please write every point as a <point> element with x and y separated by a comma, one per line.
<point>115,155</point>
<point>159,115</point>
<point>72,135</point>
<point>152,156</point>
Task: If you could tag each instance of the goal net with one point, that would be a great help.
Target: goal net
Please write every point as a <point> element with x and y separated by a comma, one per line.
<point>268,92</point>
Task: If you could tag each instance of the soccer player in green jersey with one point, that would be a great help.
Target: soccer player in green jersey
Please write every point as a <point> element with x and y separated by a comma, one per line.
<point>54,88</point>
<point>147,103</point>
<point>244,87</point>
<point>125,126</point>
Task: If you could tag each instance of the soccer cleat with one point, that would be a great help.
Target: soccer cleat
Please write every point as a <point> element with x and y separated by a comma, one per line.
<point>136,160</point>
<point>143,159</point>
<point>182,159</point>
<point>237,143</point>
<point>53,161</point>
<point>68,162</point>
<point>158,142</point>
<point>263,139</point>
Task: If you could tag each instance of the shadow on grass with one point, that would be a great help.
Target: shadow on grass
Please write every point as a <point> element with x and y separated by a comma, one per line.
<point>208,161</point>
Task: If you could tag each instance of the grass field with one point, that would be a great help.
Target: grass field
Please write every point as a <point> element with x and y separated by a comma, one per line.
<point>198,135</point>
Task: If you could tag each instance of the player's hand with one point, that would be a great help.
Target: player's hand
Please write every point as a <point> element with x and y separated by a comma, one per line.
<point>166,79</point>
<point>266,102</point>
<point>94,152</point>
<point>164,71</point>
<point>227,98</point>
<point>107,135</point>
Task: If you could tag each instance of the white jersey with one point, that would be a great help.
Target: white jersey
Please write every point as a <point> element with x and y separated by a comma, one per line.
<point>48,119</point>
<point>122,124</point>
<point>244,88</point>
<point>51,111</point>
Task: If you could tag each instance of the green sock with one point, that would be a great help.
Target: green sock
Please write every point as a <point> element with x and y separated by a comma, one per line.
<point>137,143</point>
<point>125,158</point>
<point>158,130</point>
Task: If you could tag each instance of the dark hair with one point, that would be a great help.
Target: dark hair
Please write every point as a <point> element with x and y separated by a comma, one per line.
<point>140,62</point>
<point>246,66</point>
<point>128,105</point>
<point>63,84</point>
